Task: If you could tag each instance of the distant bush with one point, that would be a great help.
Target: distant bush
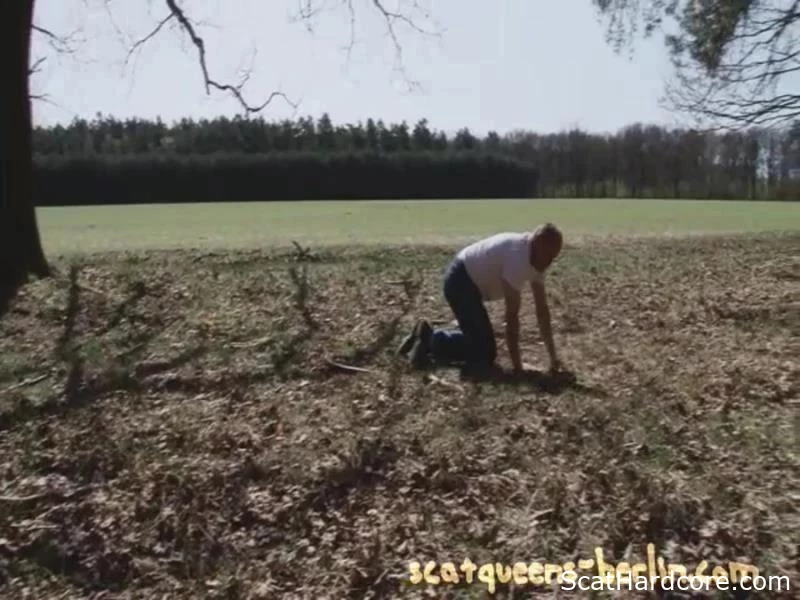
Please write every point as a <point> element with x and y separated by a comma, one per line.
<point>133,179</point>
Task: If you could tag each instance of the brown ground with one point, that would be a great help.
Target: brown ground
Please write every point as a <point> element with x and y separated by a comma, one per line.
<point>169,426</point>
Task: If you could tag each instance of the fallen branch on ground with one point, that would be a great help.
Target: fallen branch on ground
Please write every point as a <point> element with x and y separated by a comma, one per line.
<point>542,513</point>
<point>27,382</point>
<point>251,344</point>
<point>36,526</point>
<point>47,494</point>
<point>346,368</point>
<point>444,382</point>
<point>89,288</point>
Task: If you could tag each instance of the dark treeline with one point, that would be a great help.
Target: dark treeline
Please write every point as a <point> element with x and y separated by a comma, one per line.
<point>280,176</point>
<point>111,161</point>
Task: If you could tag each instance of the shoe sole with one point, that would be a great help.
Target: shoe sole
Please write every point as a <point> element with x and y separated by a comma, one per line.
<point>419,355</point>
<point>406,344</point>
<point>422,331</point>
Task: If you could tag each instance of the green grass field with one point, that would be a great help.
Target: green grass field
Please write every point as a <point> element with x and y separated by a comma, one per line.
<point>69,230</point>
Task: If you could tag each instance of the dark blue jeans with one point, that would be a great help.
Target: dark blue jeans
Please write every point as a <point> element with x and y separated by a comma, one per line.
<point>473,344</point>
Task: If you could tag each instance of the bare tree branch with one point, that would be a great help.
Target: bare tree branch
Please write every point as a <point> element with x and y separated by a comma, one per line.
<point>351,11</point>
<point>729,58</point>
<point>113,21</point>
<point>142,41</point>
<point>235,90</point>
<point>740,89</point>
<point>61,44</point>
<point>408,13</point>
<point>391,19</point>
<point>47,32</point>
<point>35,67</point>
<point>309,11</point>
<point>46,99</point>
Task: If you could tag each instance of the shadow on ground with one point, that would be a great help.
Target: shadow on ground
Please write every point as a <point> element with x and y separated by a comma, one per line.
<point>551,383</point>
<point>543,381</point>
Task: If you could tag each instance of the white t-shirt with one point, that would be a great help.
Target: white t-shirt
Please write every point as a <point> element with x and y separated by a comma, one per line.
<point>501,256</point>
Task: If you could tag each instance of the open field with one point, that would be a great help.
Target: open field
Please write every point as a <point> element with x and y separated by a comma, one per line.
<point>246,225</point>
<point>170,426</point>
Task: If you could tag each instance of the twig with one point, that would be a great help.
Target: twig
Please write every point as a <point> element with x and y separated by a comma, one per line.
<point>35,526</point>
<point>251,344</point>
<point>542,513</point>
<point>149,36</point>
<point>23,499</point>
<point>34,68</point>
<point>58,43</point>
<point>26,383</point>
<point>93,290</point>
<point>444,382</point>
<point>42,495</point>
<point>45,31</point>
<point>348,368</point>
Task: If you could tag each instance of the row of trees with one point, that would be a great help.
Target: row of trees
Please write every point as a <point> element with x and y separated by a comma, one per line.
<point>110,160</point>
<point>279,176</point>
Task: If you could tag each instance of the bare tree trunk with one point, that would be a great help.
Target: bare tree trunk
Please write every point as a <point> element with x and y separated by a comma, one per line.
<point>20,246</point>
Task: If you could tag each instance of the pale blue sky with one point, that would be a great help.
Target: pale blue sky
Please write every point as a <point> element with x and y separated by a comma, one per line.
<point>501,64</point>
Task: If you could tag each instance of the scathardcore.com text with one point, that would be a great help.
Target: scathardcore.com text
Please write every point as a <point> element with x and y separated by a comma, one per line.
<point>597,574</point>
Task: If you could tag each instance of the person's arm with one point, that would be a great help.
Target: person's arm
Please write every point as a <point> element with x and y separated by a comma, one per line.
<point>512,298</point>
<point>543,317</point>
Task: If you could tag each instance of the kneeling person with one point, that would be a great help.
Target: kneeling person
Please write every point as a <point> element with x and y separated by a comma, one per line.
<point>489,270</point>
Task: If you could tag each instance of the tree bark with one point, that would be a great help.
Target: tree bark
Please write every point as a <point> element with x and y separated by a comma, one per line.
<point>21,252</point>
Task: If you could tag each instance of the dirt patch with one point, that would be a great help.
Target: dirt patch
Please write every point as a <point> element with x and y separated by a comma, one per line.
<point>171,423</point>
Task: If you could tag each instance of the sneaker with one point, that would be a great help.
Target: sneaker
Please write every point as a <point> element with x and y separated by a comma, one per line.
<point>407,343</point>
<point>420,354</point>
<point>422,330</point>
<point>425,334</point>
